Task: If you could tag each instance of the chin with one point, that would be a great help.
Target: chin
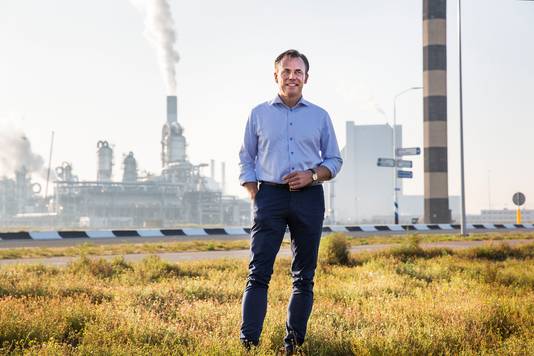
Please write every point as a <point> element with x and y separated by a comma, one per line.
<point>293,93</point>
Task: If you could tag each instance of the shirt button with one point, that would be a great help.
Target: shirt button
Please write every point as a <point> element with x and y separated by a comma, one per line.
<point>290,124</point>
<point>291,152</point>
<point>292,168</point>
<point>291,139</point>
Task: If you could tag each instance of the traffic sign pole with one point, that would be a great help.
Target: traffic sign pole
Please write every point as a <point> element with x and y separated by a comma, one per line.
<point>518,199</point>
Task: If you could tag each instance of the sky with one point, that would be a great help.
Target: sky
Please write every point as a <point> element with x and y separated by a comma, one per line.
<point>85,70</point>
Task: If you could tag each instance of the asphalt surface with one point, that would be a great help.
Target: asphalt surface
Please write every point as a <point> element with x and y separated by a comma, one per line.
<point>244,254</point>
<point>5,244</point>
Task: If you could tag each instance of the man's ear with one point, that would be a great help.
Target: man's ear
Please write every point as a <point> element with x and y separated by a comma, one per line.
<point>306,78</point>
<point>275,77</point>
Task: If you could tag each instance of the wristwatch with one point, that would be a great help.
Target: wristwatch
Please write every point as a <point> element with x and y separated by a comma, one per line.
<point>314,175</point>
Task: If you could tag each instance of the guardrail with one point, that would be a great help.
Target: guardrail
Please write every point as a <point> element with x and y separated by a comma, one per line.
<point>238,231</point>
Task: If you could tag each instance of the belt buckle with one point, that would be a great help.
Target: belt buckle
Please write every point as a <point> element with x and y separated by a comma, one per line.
<point>294,190</point>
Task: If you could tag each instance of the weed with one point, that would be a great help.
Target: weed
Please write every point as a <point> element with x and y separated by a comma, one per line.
<point>334,249</point>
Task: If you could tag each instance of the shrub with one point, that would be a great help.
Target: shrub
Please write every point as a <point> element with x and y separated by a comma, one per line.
<point>411,249</point>
<point>97,267</point>
<point>334,249</point>
<point>500,252</point>
<point>152,268</point>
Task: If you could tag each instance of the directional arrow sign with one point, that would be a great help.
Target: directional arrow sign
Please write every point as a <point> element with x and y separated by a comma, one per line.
<point>385,162</point>
<point>404,174</point>
<point>404,164</point>
<point>412,151</point>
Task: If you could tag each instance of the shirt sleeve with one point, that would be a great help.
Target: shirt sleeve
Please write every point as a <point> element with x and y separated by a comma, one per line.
<point>330,149</point>
<point>248,153</point>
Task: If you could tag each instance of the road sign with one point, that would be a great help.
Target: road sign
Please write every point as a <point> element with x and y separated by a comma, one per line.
<point>385,162</point>
<point>519,199</point>
<point>404,164</point>
<point>412,151</point>
<point>405,174</point>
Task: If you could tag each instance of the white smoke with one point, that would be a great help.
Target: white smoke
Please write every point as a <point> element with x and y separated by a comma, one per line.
<point>160,31</point>
<point>17,153</point>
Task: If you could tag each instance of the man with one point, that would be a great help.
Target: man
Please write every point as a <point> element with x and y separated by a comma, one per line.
<point>289,148</point>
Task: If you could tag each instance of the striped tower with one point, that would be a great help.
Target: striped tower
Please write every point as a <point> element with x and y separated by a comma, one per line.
<point>435,111</point>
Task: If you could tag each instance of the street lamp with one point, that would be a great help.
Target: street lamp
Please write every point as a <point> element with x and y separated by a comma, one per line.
<point>462,178</point>
<point>395,188</point>
<point>463,231</point>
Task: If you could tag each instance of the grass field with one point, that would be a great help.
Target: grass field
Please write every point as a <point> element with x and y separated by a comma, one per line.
<point>95,249</point>
<point>406,301</point>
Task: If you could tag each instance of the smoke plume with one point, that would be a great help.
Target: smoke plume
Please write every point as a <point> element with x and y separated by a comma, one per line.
<point>17,152</point>
<point>160,31</point>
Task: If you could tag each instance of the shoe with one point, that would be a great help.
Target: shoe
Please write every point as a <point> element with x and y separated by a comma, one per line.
<point>290,351</point>
<point>284,351</point>
<point>247,344</point>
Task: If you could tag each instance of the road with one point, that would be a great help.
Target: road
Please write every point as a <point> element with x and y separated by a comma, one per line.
<point>243,254</point>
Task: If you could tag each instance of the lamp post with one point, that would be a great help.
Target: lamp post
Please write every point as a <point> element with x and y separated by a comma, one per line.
<point>463,231</point>
<point>395,188</point>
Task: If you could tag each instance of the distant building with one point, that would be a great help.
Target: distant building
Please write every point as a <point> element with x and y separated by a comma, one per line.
<point>502,216</point>
<point>179,196</point>
<point>363,191</point>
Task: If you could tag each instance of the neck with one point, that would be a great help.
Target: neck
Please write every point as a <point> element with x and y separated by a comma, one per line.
<point>289,101</point>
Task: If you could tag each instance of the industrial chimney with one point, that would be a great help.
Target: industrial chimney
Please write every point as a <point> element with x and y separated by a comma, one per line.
<point>212,169</point>
<point>172,139</point>
<point>223,177</point>
<point>172,109</point>
<point>435,111</point>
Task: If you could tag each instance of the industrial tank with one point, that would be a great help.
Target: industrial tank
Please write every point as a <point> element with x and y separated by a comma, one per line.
<point>104,161</point>
<point>129,165</point>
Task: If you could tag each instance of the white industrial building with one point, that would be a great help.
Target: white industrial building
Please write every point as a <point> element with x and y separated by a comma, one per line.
<point>363,192</point>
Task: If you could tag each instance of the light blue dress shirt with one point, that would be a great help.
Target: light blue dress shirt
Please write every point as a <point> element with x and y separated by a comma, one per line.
<point>280,140</point>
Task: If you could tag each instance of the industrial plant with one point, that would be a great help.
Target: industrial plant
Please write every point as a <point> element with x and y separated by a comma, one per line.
<point>180,195</point>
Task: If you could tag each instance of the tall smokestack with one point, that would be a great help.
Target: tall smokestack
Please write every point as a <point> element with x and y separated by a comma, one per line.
<point>435,111</point>
<point>223,177</point>
<point>172,139</point>
<point>172,108</point>
<point>212,169</point>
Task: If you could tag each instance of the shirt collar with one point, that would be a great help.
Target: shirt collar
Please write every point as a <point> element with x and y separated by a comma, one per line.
<point>278,100</point>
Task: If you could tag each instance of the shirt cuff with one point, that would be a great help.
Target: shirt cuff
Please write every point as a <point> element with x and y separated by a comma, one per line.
<point>330,168</point>
<point>247,178</point>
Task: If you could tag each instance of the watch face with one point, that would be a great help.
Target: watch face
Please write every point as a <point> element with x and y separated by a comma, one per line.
<point>314,176</point>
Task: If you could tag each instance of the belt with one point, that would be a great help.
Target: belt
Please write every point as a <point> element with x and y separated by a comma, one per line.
<point>277,185</point>
<point>286,186</point>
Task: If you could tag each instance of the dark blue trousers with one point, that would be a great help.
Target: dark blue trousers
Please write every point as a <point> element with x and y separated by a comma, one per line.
<point>276,208</point>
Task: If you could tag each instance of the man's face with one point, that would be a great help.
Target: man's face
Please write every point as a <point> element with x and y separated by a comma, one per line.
<point>290,75</point>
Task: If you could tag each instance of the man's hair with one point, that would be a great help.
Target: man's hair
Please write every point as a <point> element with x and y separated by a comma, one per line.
<point>293,53</point>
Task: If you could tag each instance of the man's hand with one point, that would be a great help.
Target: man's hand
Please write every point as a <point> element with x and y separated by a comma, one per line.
<point>252,189</point>
<point>299,179</point>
